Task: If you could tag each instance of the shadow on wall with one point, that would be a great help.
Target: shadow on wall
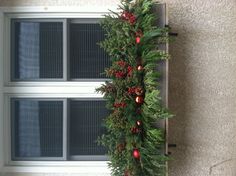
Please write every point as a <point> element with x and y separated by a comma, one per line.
<point>177,96</point>
<point>177,99</point>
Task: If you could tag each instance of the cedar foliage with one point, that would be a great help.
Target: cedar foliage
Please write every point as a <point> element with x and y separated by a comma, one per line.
<point>132,40</point>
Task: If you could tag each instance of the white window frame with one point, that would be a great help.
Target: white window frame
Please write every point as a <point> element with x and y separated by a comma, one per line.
<point>67,89</point>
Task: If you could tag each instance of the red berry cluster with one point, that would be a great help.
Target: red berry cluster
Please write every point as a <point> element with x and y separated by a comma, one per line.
<point>120,105</point>
<point>135,130</point>
<point>129,71</point>
<point>131,90</point>
<point>123,72</point>
<point>130,17</point>
<point>119,74</point>
<point>135,90</point>
<point>121,63</point>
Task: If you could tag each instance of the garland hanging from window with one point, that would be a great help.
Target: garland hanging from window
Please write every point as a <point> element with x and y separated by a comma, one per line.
<point>135,145</point>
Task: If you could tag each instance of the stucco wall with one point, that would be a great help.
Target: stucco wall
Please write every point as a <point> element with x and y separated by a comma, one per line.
<point>202,83</point>
<point>203,87</point>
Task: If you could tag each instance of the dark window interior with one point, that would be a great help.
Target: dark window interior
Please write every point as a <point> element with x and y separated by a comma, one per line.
<point>37,50</point>
<point>37,128</point>
<point>85,126</point>
<point>87,59</point>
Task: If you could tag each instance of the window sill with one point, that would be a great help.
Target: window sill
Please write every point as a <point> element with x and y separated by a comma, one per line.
<point>98,168</point>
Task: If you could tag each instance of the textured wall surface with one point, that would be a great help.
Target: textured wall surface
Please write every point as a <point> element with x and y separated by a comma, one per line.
<point>202,83</point>
<point>203,87</point>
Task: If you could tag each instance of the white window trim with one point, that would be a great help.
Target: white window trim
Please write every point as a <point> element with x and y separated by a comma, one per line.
<point>69,89</point>
<point>1,93</point>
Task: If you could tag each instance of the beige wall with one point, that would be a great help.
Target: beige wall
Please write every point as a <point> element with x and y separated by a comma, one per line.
<point>202,83</point>
<point>203,87</point>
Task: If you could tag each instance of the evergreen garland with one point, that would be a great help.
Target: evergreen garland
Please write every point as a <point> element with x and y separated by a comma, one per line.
<point>135,144</point>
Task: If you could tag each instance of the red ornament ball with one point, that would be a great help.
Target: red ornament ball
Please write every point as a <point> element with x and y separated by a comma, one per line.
<point>139,67</point>
<point>139,99</point>
<point>138,40</point>
<point>136,154</point>
<point>138,122</point>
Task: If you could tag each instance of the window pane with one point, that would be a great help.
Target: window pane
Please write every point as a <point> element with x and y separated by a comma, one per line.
<point>85,126</point>
<point>37,50</point>
<point>37,128</point>
<point>87,59</point>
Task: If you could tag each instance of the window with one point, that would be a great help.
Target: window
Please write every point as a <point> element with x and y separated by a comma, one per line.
<point>57,129</point>
<point>60,54</point>
<point>53,89</point>
<point>39,46</point>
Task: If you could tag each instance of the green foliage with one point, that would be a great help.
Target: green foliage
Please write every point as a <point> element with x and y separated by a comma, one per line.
<point>134,75</point>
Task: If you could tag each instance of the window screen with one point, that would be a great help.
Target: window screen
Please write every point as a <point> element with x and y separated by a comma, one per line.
<point>87,59</point>
<point>37,50</point>
<point>85,126</point>
<point>37,128</point>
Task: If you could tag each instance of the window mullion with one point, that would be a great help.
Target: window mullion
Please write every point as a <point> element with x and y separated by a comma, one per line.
<point>65,117</point>
<point>65,49</point>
